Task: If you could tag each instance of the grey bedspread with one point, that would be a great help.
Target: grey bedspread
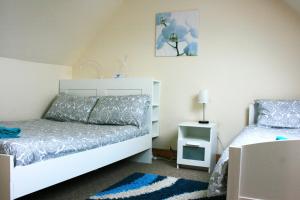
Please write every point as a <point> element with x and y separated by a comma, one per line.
<point>249,135</point>
<point>43,139</point>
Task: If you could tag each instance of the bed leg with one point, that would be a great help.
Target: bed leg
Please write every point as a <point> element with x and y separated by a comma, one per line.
<point>143,157</point>
<point>6,165</point>
<point>233,181</point>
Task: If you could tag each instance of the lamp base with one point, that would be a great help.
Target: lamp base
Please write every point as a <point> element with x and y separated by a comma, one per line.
<point>203,122</point>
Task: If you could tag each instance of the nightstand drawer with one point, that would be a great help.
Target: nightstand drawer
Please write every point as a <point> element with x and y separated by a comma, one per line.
<point>193,153</point>
<point>189,153</point>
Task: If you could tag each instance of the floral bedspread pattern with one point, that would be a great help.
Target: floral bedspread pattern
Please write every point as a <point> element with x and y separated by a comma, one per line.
<point>67,108</point>
<point>44,139</point>
<point>120,110</point>
<point>279,113</point>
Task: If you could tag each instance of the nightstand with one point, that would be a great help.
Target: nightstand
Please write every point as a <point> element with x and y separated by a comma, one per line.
<point>197,145</point>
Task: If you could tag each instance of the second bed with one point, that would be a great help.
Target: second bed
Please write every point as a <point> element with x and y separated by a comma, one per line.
<point>277,113</point>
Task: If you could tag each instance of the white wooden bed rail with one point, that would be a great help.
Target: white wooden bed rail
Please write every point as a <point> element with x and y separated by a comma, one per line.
<point>21,180</point>
<point>233,179</point>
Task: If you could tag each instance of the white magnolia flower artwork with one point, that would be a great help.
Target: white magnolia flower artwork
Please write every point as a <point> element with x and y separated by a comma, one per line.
<point>177,33</point>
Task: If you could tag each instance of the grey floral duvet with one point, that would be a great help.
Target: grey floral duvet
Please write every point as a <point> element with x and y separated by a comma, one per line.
<point>44,139</point>
<point>249,135</point>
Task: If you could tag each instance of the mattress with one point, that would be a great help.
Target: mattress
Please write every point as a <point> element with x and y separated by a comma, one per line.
<point>44,139</point>
<point>249,135</point>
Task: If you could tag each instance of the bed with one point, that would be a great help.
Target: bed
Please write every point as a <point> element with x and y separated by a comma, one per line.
<point>49,152</point>
<point>224,181</point>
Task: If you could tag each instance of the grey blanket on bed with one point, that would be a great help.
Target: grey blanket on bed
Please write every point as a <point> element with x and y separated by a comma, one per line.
<point>249,135</point>
<point>43,139</point>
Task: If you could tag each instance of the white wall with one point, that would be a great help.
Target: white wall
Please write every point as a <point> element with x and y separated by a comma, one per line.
<point>27,88</point>
<point>248,49</point>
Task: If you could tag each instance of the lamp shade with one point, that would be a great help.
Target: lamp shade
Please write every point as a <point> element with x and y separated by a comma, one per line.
<point>203,96</point>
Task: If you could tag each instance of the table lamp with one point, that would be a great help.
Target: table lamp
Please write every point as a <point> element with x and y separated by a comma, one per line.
<point>203,99</point>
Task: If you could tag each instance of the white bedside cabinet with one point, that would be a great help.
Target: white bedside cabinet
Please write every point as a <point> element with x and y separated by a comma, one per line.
<point>197,145</point>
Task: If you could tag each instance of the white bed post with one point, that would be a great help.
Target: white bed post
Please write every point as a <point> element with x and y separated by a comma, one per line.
<point>6,163</point>
<point>233,183</point>
<point>233,180</point>
<point>251,114</point>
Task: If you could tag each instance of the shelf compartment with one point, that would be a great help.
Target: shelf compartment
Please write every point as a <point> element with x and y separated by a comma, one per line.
<point>156,92</point>
<point>155,128</point>
<point>194,133</point>
<point>155,113</point>
<point>194,141</point>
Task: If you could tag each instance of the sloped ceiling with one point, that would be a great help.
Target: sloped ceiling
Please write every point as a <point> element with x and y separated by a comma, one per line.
<point>52,31</point>
<point>56,31</point>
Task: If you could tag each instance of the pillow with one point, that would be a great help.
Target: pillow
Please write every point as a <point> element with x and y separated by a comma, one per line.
<point>279,113</point>
<point>120,110</point>
<point>68,108</point>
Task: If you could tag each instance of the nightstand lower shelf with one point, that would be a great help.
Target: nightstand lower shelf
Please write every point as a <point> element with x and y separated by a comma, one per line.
<point>193,153</point>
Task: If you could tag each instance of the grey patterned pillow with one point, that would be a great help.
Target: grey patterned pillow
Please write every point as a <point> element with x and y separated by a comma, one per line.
<point>71,108</point>
<point>279,113</point>
<point>120,110</point>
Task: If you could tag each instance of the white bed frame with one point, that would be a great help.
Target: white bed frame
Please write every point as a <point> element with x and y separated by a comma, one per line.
<point>268,170</point>
<point>18,181</point>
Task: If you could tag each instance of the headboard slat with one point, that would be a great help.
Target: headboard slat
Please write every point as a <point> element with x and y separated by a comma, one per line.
<point>251,116</point>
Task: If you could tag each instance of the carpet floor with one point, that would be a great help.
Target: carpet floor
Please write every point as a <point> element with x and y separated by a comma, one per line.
<point>80,188</point>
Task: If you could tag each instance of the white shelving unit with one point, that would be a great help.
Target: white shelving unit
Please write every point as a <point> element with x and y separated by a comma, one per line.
<point>197,145</point>
<point>155,107</point>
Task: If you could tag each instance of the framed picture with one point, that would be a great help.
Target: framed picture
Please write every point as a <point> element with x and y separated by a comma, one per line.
<point>177,33</point>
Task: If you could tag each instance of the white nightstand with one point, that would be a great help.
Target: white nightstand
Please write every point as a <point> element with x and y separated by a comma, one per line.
<point>197,145</point>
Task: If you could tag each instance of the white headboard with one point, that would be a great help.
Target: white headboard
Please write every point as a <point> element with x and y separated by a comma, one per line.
<point>252,114</point>
<point>104,87</point>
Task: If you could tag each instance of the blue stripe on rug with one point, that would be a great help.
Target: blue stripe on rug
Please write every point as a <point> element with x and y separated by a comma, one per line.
<point>181,186</point>
<point>146,179</point>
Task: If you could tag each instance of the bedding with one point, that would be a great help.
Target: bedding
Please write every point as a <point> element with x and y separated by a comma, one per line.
<point>249,135</point>
<point>67,108</point>
<point>120,110</point>
<point>44,139</point>
<point>278,113</point>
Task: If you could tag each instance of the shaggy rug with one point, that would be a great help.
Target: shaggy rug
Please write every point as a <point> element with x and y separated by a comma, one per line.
<point>151,186</point>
